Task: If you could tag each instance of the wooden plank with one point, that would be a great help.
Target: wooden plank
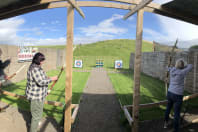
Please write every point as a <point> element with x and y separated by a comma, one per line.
<point>152,7</point>
<point>127,115</point>
<point>190,123</point>
<point>12,94</point>
<point>137,70</point>
<point>54,103</point>
<point>31,6</point>
<point>138,7</point>
<point>77,8</point>
<point>150,105</point>
<point>69,61</point>
<point>163,102</point>
<point>74,114</point>
<point>185,98</point>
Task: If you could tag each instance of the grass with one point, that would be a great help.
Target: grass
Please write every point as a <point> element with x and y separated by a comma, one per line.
<point>57,94</point>
<point>109,51</point>
<point>151,90</point>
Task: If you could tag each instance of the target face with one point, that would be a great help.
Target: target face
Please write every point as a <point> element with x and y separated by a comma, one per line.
<point>78,63</point>
<point>118,64</point>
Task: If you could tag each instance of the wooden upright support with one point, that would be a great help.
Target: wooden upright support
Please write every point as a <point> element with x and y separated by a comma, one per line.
<point>137,70</point>
<point>69,60</point>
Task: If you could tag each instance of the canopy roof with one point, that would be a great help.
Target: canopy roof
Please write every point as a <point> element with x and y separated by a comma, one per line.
<point>185,10</point>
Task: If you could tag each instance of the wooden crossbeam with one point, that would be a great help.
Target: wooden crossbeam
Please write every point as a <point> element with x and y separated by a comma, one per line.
<point>127,115</point>
<point>77,8</point>
<point>138,7</point>
<point>74,114</point>
<point>126,108</point>
<point>163,102</point>
<point>54,103</point>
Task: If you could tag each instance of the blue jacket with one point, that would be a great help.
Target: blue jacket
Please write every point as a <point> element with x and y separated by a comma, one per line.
<point>177,76</point>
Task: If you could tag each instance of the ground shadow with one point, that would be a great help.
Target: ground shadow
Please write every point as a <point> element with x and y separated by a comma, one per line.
<point>98,113</point>
<point>23,107</point>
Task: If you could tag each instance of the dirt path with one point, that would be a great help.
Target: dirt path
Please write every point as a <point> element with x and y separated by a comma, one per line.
<point>99,109</point>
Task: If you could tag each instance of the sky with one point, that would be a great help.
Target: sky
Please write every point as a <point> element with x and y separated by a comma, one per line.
<point>48,27</point>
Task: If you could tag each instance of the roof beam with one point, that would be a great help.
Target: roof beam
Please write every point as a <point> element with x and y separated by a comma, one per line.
<point>77,8</point>
<point>141,5</point>
<point>152,7</point>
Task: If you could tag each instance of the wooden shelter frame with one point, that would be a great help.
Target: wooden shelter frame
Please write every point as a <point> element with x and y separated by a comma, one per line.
<point>134,5</point>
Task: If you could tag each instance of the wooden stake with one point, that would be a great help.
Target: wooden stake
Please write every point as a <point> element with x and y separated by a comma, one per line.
<point>69,60</point>
<point>137,68</point>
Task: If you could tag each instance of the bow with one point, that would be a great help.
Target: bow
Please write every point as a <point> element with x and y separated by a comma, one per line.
<point>56,80</point>
<point>169,64</point>
<point>14,74</point>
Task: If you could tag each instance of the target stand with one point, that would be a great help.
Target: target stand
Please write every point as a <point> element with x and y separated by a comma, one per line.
<point>99,63</point>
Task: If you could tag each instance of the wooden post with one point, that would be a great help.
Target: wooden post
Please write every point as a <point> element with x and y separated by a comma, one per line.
<point>137,70</point>
<point>69,61</point>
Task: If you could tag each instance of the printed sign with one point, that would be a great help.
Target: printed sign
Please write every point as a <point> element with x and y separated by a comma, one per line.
<point>26,53</point>
<point>78,63</point>
<point>118,64</point>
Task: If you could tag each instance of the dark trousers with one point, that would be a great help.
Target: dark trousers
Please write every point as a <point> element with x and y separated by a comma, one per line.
<point>176,100</point>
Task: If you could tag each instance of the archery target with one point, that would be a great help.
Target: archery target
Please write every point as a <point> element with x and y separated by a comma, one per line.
<point>78,63</point>
<point>118,64</point>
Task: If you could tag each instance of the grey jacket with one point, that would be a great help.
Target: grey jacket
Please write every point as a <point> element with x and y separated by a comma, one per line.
<point>177,76</point>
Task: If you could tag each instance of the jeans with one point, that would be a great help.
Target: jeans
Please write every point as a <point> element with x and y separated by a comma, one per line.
<point>37,112</point>
<point>176,100</point>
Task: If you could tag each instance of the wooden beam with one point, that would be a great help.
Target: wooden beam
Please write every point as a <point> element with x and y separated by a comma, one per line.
<point>163,102</point>
<point>125,108</point>
<point>138,7</point>
<point>185,98</point>
<point>54,103</point>
<point>74,114</point>
<point>127,115</point>
<point>152,7</point>
<point>12,94</point>
<point>69,61</point>
<point>137,70</point>
<point>77,8</point>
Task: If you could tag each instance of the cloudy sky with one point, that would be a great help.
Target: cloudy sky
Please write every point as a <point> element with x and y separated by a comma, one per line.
<point>48,27</point>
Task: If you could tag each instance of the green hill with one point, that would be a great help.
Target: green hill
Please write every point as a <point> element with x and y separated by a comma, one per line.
<point>117,47</point>
<point>108,51</point>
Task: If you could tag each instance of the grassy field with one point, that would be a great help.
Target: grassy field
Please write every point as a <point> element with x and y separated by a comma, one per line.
<point>58,93</point>
<point>152,90</point>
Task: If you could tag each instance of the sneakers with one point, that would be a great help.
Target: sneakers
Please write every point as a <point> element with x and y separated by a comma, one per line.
<point>165,124</point>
